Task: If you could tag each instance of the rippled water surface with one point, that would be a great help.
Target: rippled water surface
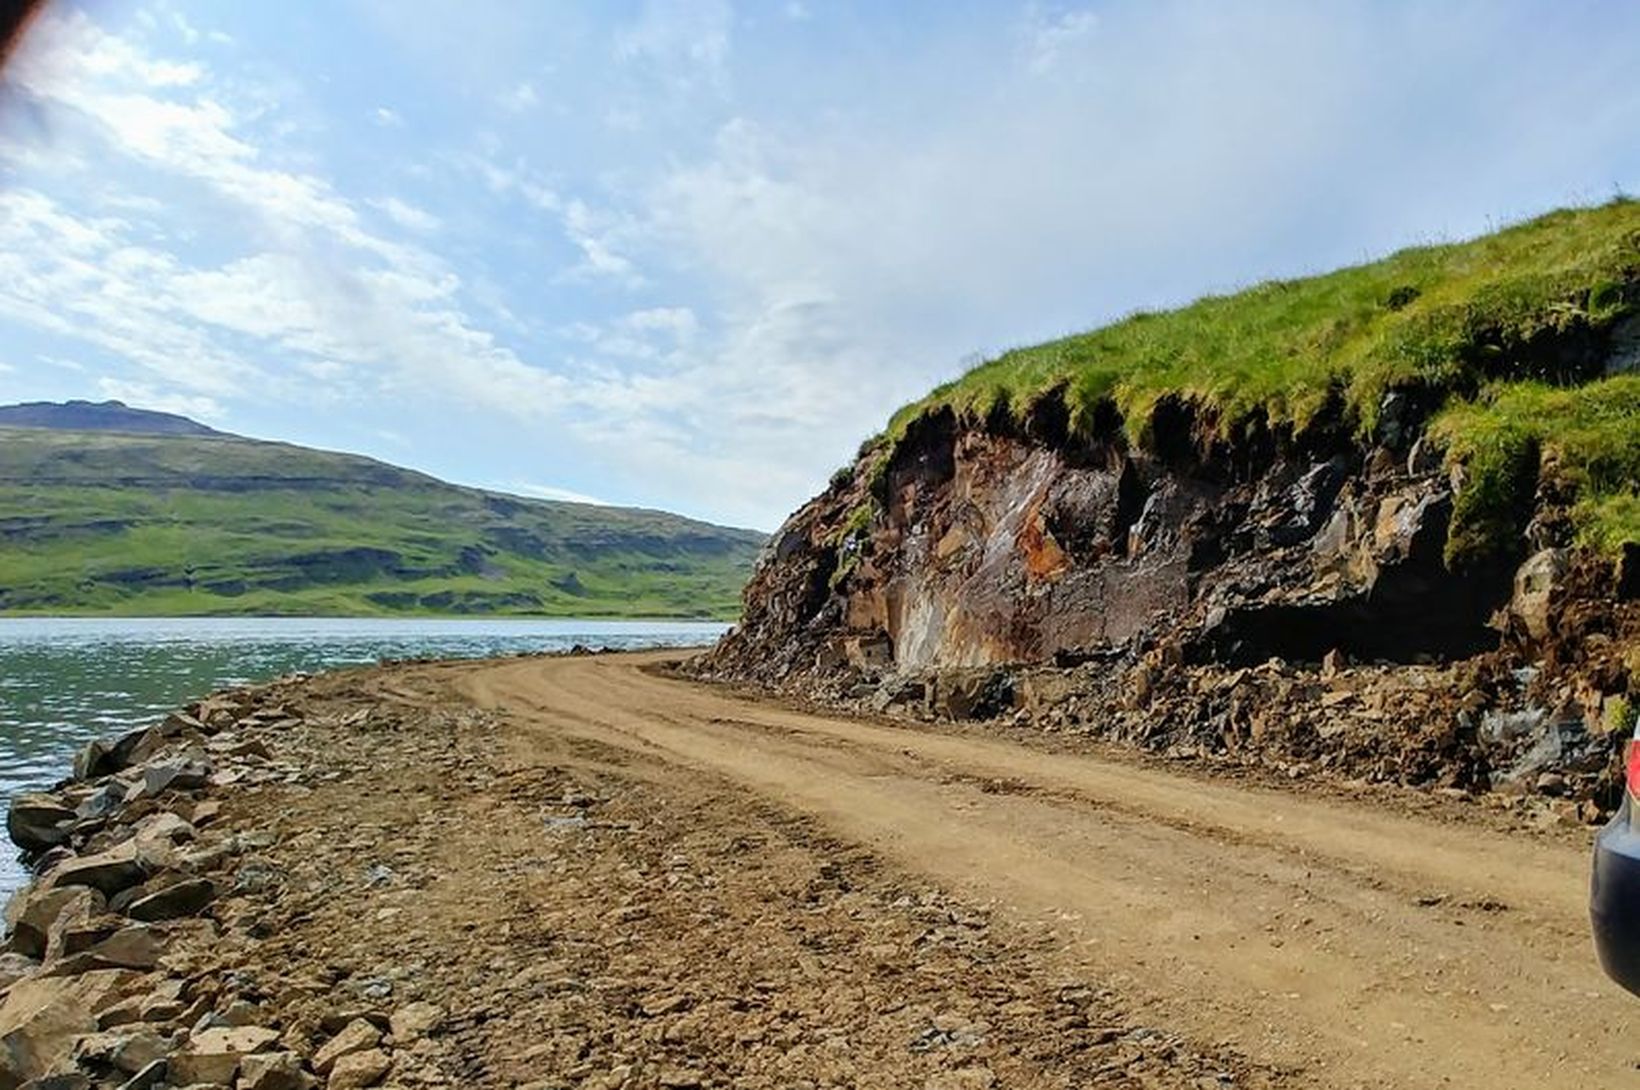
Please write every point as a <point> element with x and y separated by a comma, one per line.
<point>65,681</point>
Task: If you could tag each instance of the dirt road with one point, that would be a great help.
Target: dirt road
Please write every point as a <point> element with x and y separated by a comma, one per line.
<point>1338,943</point>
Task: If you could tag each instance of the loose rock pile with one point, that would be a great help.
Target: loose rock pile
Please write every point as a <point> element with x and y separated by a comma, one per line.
<point>1480,729</point>
<point>111,966</point>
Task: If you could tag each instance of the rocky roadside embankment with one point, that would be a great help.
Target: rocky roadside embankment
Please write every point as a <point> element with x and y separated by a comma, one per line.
<point>361,879</point>
<point>116,964</point>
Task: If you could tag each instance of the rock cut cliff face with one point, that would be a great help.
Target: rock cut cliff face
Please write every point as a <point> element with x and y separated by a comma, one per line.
<point>953,573</point>
<point>987,544</point>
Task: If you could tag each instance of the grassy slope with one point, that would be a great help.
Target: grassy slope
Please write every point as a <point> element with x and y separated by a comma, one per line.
<point>97,522</point>
<point>1463,318</point>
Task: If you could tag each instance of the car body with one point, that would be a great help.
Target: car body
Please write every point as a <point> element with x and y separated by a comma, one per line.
<point>1614,895</point>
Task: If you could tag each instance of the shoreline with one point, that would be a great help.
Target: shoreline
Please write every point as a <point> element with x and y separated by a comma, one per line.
<point>71,679</point>
<point>133,861</point>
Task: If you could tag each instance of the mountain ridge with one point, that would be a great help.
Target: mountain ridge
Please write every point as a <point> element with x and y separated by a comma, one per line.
<point>114,416</point>
<point>182,522</point>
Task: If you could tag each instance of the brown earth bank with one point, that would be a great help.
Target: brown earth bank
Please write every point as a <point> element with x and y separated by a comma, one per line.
<point>1304,601</point>
<point>579,872</point>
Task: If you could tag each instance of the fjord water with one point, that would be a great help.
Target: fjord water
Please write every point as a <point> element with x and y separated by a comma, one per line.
<point>64,681</point>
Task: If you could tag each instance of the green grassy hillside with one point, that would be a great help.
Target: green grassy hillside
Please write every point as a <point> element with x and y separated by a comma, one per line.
<point>165,525</point>
<point>1513,331</point>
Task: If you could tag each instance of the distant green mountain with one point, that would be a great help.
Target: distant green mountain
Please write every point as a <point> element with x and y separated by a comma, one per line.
<point>154,515</point>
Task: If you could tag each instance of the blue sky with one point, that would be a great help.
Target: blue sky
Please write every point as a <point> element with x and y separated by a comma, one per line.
<point>689,255</point>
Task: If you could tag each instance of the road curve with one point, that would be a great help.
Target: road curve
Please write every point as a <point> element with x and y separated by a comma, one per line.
<point>1355,947</point>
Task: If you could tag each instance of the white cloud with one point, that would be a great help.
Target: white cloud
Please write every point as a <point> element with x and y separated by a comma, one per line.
<point>516,179</point>
<point>519,98</point>
<point>263,296</point>
<point>598,234</point>
<point>387,118</point>
<point>333,291</point>
<point>86,280</point>
<point>656,334</point>
<point>685,42</point>
<point>130,203</point>
<point>192,137</point>
<point>1048,38</point>
<point>678,322</point>
<point>78,66</point>
<point>401,328</point>
<point>184,28</point>
<point>788,364</point>
<point>624,119</point>
<point>72,46</point>
<point>139,396</point>
<point>406,214</point>
<point>553,492</point>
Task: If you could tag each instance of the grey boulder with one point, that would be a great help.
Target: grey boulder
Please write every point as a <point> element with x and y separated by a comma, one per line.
<point>38,823</point>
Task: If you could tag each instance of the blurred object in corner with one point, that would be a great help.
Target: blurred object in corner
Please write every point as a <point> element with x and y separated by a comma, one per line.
<point>15,16</point>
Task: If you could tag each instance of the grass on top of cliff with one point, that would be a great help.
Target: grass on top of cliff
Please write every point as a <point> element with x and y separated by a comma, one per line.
<point>1590,432</point>
<point>1472,319</point>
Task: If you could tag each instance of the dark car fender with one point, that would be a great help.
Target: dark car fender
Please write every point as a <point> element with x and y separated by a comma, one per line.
<point>1614,900</point>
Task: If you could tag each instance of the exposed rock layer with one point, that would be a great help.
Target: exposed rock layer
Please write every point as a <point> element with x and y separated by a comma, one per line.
<point>942,570</point>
